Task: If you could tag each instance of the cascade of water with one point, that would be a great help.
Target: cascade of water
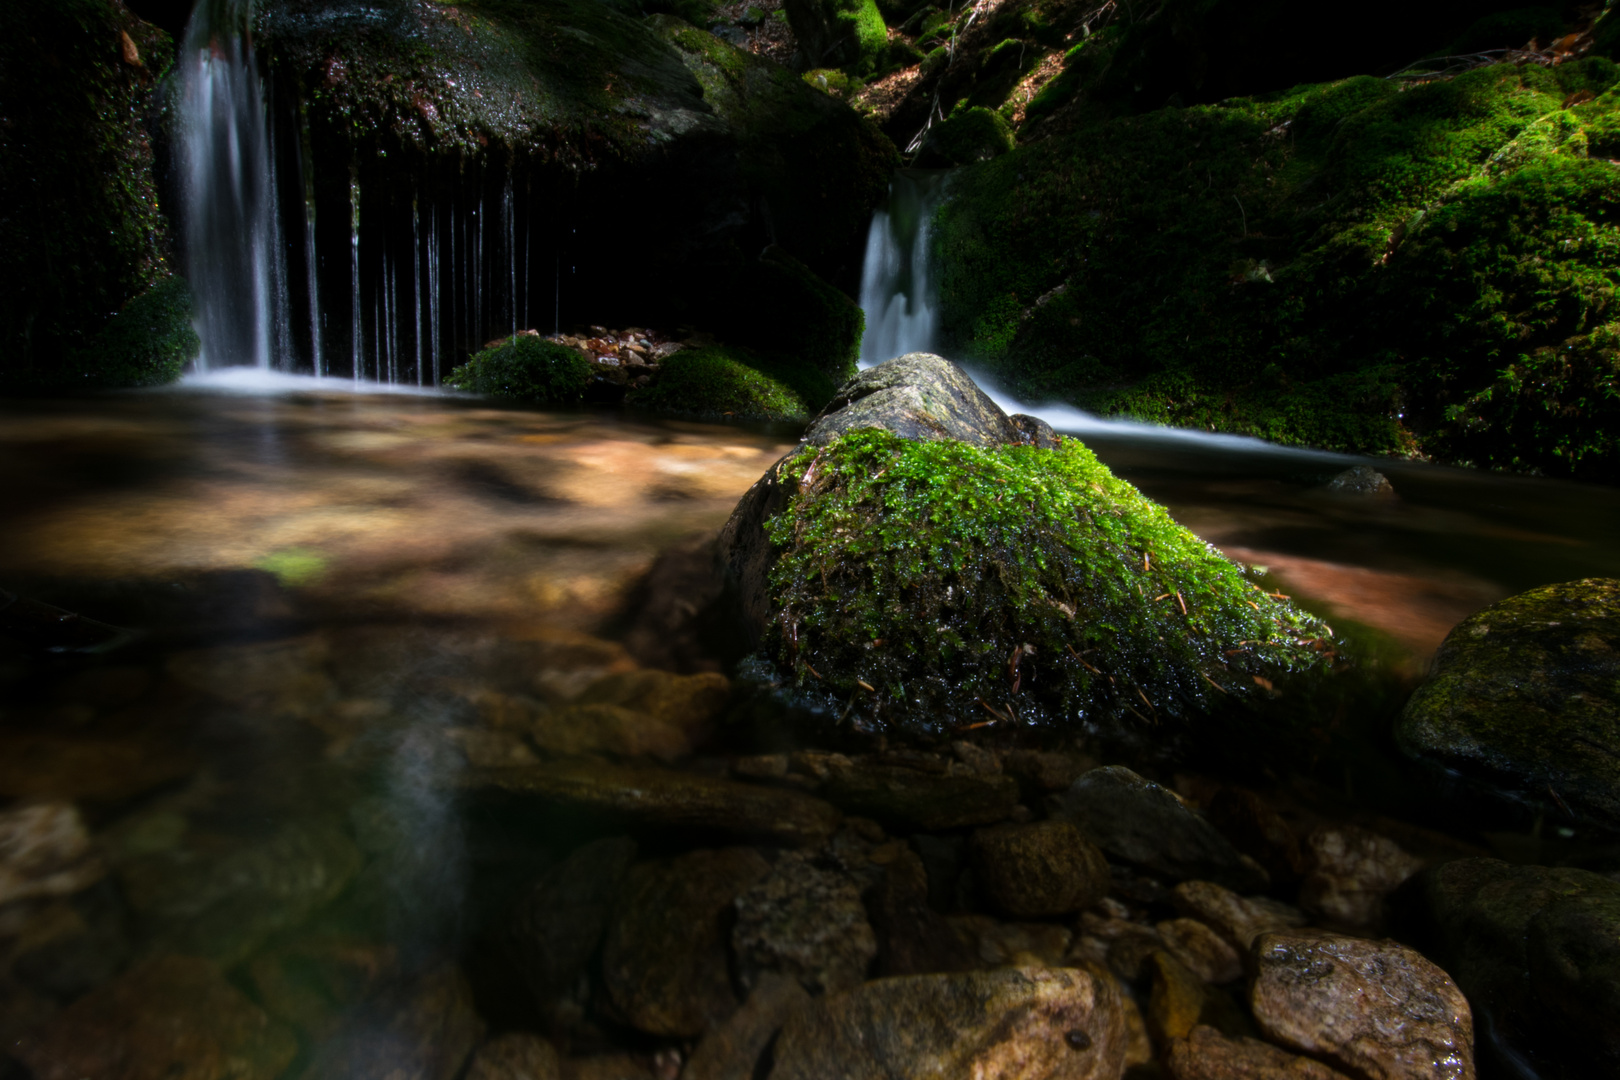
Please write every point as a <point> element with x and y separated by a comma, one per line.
<point>306,171</point>
<point>896,287</point>
<point>354,271</point>
<point>231,232</point>
<point>416,280</point>
<point>509,220</point>
<point>433,289</point>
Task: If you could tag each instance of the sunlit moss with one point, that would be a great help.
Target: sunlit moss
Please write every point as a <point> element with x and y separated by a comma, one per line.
<point>294,566</point>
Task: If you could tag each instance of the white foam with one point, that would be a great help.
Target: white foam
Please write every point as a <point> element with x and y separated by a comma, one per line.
<point>257,380</point>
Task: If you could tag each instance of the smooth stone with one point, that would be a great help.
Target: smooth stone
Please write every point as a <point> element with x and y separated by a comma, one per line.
<point>45,851</point>
<point>907,800</point>
<point>1237,918</point>
<point>665,963</point>
<point>1139,822</point>
<point>1537,950</point>
<point>665,799</point>
<point>515,1056</point>
<point>1201,949</point>
<point>1206,1054</point>
<point>559,922</point>
<point>424,1030</point>
<point>733,1050</point>
<point>804,921</point>
<point>1375,1008</point>
<point>917,396</point>
<point>1038,869</point>
<point>171,1018</point>
<point>1176,997</point>
<point>1362,481</point>
<point>1352,872</point>
<point>1525,699</point>
<point>1056,1023</point>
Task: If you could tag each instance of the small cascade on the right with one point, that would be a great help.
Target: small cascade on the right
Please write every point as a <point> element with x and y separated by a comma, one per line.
<point>897,291</point>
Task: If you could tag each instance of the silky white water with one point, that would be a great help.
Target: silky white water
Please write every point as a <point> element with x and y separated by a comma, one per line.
<point>897,290</point>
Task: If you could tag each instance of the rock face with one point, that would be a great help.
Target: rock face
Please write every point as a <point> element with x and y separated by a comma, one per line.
<point>1376,1008</point>
<point>1537,950</point>
<point>1060,1023</point>
<point>1525,699</point>
<point>1139,822</point>
<point>924,562</point>
<point>1038,870</point>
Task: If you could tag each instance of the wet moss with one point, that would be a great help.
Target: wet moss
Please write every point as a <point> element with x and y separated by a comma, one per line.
<point>525,368</point>
<point>725,382</point>
<point>933,585</point>
<point>1356,265</point>
<point>969,134</point>
<point>148,343</point>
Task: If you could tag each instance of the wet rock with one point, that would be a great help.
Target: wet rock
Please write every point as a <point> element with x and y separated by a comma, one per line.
<point>917,396</point>
<point>686,701</point>
<point>71,946</point>
<point>1041,772</point>
<point>660,798</point>
<point>1206,1054</point>
<point>608,729</point>
<point>1057,1023</point>
<point>1201,949</point>
<point>173,1017</point>
<point>1537,951</point>
<point>558,924</point>
<point>806,922</point>
<point>1362,481</point>
<point>515,1056</point>
<point>278,678</point>
<point>1176,999</point>
<point>91,768</point>
<point>224,907</point>
<point>999,944</point>
<point>1258,831</point>
<point>1374,1008</point>
<point>1523,700</point>
<point>1238,919</point>
<point>1351,873</point>
<point>978,760</point>
<point>609,1067</point>
<point>1038,870</point>
<point>1126,944</point>
<point>491,749</point>
<point>310,982</point>
<point>907,800</point>
<point>913,939</point>
<point>422,1031</point>
<point>732,1051</point>
<point>1137,821</point>
<point>676,620</point>
<point>665,964</point>
<point>45,851</point>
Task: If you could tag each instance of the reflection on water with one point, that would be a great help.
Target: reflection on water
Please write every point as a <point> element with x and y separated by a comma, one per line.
<point>254,818</point>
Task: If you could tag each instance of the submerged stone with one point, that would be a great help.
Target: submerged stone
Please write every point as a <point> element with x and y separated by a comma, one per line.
<point>922,564</point>
<point>1525,700</point>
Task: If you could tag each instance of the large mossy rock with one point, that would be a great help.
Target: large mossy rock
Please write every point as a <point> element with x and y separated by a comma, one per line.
<point>920,564</point>
<point>1525,699</point>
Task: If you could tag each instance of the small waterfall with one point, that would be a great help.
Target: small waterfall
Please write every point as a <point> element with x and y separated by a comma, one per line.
<point>232,236</point>
<point>897,292</point>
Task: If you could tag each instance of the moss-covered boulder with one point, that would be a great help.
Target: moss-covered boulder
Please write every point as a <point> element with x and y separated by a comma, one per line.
<point>1525,700</point>
<point>82,234</point>
<point>525,368</point>
<point>714,382</point>
<point>914,579</point>
<point>845,34</point>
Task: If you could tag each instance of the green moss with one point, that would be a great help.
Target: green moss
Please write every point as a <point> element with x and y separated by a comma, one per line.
<point>525,368</point>
<point>848,34</point>
<point>148,343</point>
<point>960,584</point>
<point>969,134</point>
<point>835,82</point>
<point>720,381</point>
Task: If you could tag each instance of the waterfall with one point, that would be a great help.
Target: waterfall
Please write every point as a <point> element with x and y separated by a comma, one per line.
<point>897,292</point>
<point>234,257</point>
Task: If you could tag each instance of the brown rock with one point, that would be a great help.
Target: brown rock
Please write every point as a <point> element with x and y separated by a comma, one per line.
<point>1038,870</point>
<point>422,1031</point>
<point>275,678</point>
<point>1045,770</point>
<point>909,800</point>
<point>1138,1046</point>
<point>608,1067</point>
<point>515,1056</point>
<point>913,939</point>
<point>1238,919</point>
<point>559,922</point>
<point>311,981</point>
<point>1377,1009</point>
<point>1000,944</point>
<point>665,964</point>
<point>608,729</point>
<point>1204,951</point>
<point>1351,872</point>
<point>173,1018</point>
<point>485,749</point>
<point>1176,1000</point>
<point>1206,1054</point>
<point>805,921</point>
<point>1057,1023</point>
<point>687,701</point>
<point>1258,831</point>
<point>732,1050</point>
<point>45,851</point>
<point>89,769</point>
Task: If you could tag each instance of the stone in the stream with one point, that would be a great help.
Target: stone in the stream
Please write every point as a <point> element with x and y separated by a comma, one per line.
<point>1206,1054</point>
<point>422,1030</point>
<point>1537,950</point>
<point>173,1017</point>
<point>1362,481</point>
<point>1201,949</point>
<point>1352,870</point>
<point>650,797</point>
<point>686,701</point>
<point>560,920</point>
<point>665,963</point>
<point>1375,1008</point>
<point>608,729</point>
<point>804,921</point>
<point>515,1056</point>
<point>1238,919</point>
<point>1257,830</point>
<point>1525,700</point>
<point>732,1051</point>
<point>910,800</point>
<point>1039,869</point>
<point>922,563</point>
<point>1057,1023</point>
<point>45,851</point>
<point>1176,998</point>
<point>913,938</point>
<point>1137,821</point>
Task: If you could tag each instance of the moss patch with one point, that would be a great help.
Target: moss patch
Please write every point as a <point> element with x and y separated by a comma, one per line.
<point>525,369</point>
<point>934,585</point>
<point>148,343</point>
<point>718,381</point>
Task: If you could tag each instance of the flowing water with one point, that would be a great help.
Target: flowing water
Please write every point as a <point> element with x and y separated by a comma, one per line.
<point>897,292</point>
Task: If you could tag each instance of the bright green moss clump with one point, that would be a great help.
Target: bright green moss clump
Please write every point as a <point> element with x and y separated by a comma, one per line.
<point>148,343</point>
<point>717,381</point>
<point>1015,585</point>
<point>526,369</point>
